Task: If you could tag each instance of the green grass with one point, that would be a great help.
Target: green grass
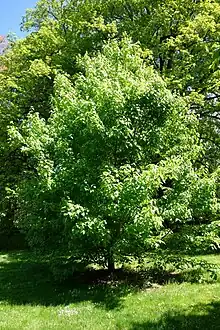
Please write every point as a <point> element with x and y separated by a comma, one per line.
<point>31,299</point>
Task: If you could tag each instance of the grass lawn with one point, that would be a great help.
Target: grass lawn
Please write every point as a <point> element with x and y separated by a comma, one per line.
<point>31,299</point>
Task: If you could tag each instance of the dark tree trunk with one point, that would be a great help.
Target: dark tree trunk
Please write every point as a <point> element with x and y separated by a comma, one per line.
<point>111,265</point>
<point>110,262</point>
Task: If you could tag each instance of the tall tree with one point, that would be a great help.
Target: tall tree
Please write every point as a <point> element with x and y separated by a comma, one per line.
<point>115,163</point>
<point>182,43</point>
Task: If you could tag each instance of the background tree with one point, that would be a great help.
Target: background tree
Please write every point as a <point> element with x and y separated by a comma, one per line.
<point>183,37</point>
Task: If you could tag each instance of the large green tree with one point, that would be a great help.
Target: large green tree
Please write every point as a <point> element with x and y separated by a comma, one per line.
<point>182,43</point>
<point>115,165</point>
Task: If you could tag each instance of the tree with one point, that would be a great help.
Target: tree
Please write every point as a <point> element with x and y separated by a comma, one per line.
<point>115,164</point>
<point>182,43</point>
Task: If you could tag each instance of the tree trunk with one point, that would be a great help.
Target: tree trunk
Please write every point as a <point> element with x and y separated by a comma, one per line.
<point>110,262</point>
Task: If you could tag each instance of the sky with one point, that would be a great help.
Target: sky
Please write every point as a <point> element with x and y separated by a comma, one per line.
<point>11,15</point>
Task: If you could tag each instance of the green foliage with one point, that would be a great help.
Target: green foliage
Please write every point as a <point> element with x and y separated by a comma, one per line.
<point>182,36</point>
<point>185,269</point>
<point>99,154</point>
<point>115,162</point>
<point>195,239</point>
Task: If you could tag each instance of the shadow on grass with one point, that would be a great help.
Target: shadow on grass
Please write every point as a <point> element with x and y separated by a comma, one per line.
<point>202,317</point>
<point>26,280</point>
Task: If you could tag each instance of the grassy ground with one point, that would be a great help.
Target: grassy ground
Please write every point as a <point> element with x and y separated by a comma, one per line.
<point>30,299</point>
